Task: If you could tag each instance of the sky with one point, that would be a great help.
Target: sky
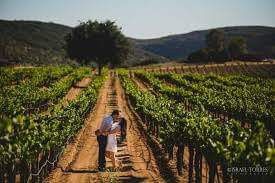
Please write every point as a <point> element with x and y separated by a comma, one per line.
<point>145,18</point>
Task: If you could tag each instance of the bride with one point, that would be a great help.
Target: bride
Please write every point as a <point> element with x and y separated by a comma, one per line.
<point>111,149</point>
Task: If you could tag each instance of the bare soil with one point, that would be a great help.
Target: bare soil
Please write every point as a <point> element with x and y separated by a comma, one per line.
<point>79,161</point>
<point>72,94</point>
<point>77,88</point>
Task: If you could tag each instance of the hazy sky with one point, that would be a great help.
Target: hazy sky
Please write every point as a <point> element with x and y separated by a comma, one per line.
<point>145,18</point>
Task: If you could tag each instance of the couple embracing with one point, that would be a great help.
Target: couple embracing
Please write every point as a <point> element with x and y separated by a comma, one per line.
<point>110,127</point>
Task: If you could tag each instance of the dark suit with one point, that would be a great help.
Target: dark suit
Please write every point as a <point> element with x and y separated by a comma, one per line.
<point>102,141</point>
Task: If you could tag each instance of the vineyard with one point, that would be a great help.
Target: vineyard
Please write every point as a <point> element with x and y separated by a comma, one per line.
<point>261,69</point>
<point>35,125</point>
<point>186,124</point>
<point>222,118</point>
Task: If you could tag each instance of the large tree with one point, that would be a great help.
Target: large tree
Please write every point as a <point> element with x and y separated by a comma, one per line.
<point>200,55</point>
<point>237,47</point>
<point>101,42</point>
<point>215,40</point>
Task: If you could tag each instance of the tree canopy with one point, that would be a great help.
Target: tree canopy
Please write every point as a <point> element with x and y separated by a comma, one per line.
<point>218,49</point>
<point>237,47</point>
<point>215,40</point>
<point>101,42</point>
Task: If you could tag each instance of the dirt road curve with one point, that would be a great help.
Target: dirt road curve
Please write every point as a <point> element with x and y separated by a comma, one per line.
<point>76,89</point>
<point>79,161</point>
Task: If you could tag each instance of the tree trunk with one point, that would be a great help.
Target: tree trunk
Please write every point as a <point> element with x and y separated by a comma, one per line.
<point>191,163</point>
<point>198,166</point>
<point>99,70</point>
<point>170,151</point>
<point>2,172</point>
<point>11,173</point>
<point>180,158</point>
<point>212,171</point>
<point>24,172</point>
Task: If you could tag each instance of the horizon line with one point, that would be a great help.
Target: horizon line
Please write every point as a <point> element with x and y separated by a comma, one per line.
<point>159,37</point>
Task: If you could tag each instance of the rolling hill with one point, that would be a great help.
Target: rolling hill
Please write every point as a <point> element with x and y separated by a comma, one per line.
<point>41,43</point>
<point>260,40</point>
<point>33,42</point>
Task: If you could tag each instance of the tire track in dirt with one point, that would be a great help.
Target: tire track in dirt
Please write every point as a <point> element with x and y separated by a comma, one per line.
<point>80,156</point>
<point>77,88</point>
<point>144,166</point>
<point>72,94</point>
<point>79,161</point>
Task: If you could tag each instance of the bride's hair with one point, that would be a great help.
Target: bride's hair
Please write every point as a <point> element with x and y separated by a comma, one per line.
<point>115,112</point>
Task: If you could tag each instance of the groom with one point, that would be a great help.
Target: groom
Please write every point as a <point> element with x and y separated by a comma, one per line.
<point>105,126</point>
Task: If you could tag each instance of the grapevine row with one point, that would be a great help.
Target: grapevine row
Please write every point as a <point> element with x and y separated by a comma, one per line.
<point>227,144</point>
<point>246,104</point>
<point>39,76</point>
<point>26,98</point>
<point>28,141</point>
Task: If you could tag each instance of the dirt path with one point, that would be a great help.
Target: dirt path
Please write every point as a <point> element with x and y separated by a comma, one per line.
<point>140,84</point>
<point>79,161</point>
<point>77,88</point>
<point>74,91</point>
<point>144,163</point>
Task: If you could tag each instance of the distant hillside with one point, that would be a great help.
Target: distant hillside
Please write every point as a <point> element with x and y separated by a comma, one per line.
<point>33,42</point>
<point>38,43</point>
<point>36,34</point>
<point>139,56</point>
<point>260,40</point>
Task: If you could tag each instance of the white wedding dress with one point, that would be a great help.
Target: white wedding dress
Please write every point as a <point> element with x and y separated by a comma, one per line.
<point>111,139</point>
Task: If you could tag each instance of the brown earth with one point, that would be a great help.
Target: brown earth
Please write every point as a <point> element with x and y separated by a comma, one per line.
<point>77,88</point>
<point>79,161</point>
<point>74,91</point>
